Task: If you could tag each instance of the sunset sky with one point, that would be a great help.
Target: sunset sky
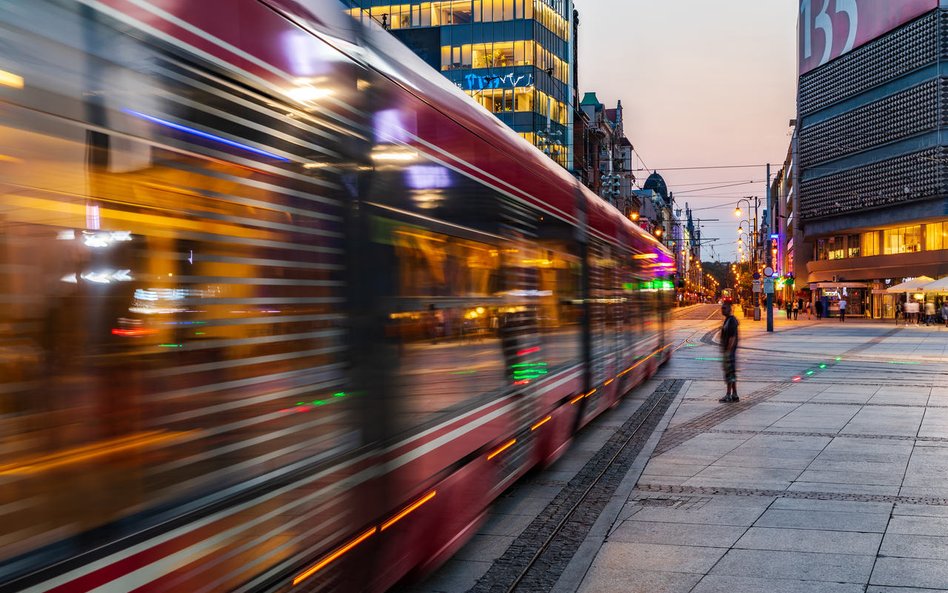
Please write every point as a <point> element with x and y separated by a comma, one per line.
<point>702,83</point>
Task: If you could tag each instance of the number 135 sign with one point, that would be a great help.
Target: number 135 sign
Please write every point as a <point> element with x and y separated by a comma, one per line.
<point>831,28</point>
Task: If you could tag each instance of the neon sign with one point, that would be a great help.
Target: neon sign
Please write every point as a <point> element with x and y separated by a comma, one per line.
<point>476,82</point>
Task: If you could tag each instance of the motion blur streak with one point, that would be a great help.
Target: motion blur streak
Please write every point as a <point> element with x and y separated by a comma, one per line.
<point>328,559</point>
<point>506,446</point>
<point>88,452</point>
<point>408,510</point>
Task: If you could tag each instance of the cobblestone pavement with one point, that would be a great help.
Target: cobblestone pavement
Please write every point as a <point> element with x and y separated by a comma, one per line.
<point>828,476</point>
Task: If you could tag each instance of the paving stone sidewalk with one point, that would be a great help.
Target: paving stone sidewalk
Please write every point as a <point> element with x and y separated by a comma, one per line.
<point>831,474</point>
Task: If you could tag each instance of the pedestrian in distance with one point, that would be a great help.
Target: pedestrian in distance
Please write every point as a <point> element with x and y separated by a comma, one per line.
<point>789,308</point>
<point>944,313</point>
<point>819,310</point>
<point>929,313</point>
<point>729,353</point>
<point>842,310</point>
<point>898,311</point>
<point>808,307</point>
<point>796,311</point>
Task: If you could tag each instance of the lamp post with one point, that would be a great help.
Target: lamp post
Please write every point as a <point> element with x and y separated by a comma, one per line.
<point>755,202</point>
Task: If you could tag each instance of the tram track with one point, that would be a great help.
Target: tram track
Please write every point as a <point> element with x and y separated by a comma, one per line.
<point>539,556</point>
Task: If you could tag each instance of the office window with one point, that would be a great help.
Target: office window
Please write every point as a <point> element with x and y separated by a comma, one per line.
<point>445,57</point>
<point>502,55</point>
<point>462,13</point>
<point>870,244</point>
<point>426,14</point>
<point>936,236</point>
<point>524,99</point>
<point>835,248</point>
<point>902,240</point>
<point>853,246</point>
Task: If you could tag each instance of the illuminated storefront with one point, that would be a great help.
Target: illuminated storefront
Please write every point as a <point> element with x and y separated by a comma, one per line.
<point>514,57</point>
<point>871,261</point>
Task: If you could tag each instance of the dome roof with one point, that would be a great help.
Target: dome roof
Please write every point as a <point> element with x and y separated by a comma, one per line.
<point>656,183</point>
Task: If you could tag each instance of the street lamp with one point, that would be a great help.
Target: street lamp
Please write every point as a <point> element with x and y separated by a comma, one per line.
<point>753,203</point>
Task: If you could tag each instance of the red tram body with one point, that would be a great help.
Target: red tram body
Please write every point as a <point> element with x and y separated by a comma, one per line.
<point>283,309</point>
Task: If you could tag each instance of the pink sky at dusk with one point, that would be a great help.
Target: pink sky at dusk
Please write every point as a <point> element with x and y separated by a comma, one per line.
<point>702,83</point>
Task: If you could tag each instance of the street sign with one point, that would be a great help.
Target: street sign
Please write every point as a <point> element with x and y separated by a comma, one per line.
<point>756,285</point>
<point>768,285</point>
<point>768,271</point>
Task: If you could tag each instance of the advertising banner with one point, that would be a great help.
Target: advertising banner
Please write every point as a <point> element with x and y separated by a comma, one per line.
<point>831,28</point>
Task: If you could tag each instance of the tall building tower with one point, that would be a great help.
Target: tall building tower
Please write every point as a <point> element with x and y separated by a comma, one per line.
<point>872,160</point>
<point>514,57</point>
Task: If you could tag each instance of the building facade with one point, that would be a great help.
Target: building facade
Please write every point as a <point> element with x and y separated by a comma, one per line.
<point>871,171</point>
<point>514,57</point>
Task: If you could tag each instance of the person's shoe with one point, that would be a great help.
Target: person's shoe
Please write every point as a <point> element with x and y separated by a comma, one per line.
<point>735,398</point>
<point>725,399</point>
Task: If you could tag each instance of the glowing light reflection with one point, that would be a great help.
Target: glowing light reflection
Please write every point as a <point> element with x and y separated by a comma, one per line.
<point>205,135</point>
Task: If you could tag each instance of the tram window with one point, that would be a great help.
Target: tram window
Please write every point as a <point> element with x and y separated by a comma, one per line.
<point>448,320</point>
<point>177,316</point>
<point>559,292</point>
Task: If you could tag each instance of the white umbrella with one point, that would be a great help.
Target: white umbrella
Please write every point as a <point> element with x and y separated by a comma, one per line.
<point>937,285</point>
<point>913,285</point>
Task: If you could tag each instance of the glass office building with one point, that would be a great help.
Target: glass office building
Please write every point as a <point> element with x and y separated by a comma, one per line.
<point>515,57</point>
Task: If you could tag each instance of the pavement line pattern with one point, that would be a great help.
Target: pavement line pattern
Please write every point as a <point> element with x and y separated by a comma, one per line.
<point>684,432</point>
<point>833,435</point>
<point>794,494</point>
<point>537,558</point>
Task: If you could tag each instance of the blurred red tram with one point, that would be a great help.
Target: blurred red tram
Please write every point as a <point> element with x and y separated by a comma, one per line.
<point>282,309</point>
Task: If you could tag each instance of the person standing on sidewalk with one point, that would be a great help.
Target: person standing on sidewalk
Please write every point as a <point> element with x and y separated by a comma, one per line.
<point>729,353</point>
<point>929,313</point>
<point>944,313</point>
<point>842,310</point>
